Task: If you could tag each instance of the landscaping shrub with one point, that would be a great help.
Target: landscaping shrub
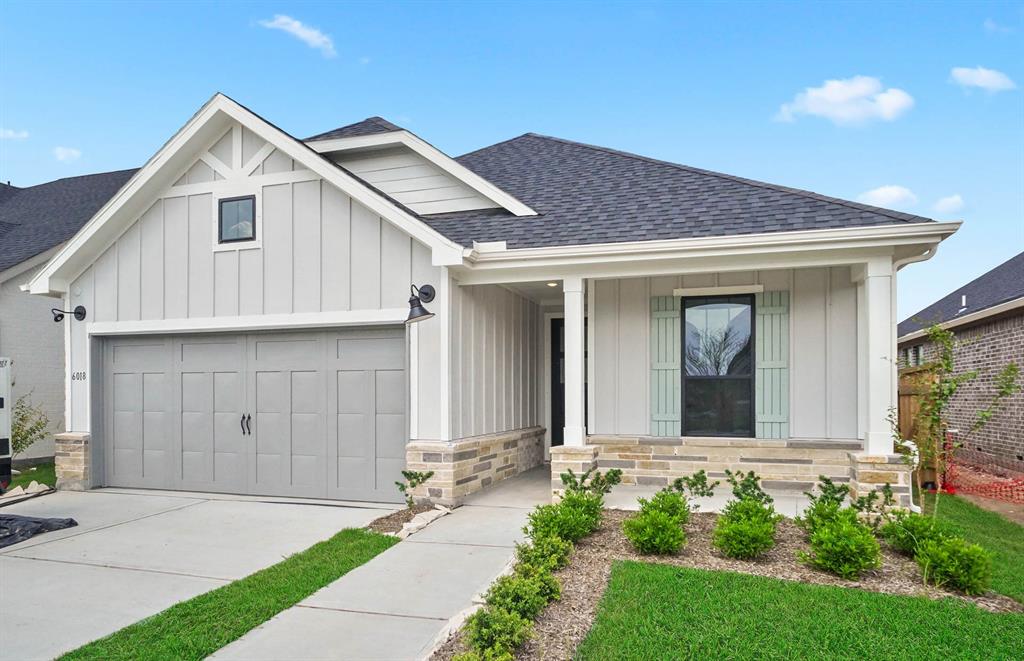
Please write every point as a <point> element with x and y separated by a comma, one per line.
<point>591,482</point>
<point>952,562</point>
<point>654,532</point>
<point>545,552</point>
<point>745,529</point>
<point>907,530</point>
<point>549,585</point>
<point>591,505</point>
<point>525,595</point>
<point>670,502</point>
<point>493,632</point>
<point>571,520</point>
<point>696,485</point>
<point>823,512</point>
<point>747,486</point>
<point>844,547</point>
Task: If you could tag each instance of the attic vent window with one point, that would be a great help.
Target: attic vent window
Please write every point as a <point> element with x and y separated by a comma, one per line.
<point>236,219</point>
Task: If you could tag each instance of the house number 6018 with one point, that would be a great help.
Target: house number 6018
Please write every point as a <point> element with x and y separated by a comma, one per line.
<point>78,376</point>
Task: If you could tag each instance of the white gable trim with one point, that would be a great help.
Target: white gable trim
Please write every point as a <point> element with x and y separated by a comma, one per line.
<point>435,156</point>
<point>89,242</point>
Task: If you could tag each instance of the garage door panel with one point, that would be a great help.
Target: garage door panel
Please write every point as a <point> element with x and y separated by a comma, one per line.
<point>306,393</point>
<point>133,355</point>
<point>353,429</point>
<point>387,469</point>
<point>230,468</point>
<point>371,353</point>
<point>391,433</point>
<point>307,434</point>
<point>127,392</point>
<point>196,467</point>
<point>353,475</point>
<point>390,391</point>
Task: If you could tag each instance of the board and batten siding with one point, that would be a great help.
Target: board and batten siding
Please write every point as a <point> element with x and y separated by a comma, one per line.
<point>320,252</point>
<point>822,349</point>
<point>412,180</point>
<point>496,361</point>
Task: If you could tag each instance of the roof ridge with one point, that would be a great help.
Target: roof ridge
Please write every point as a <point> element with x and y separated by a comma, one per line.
<point>890,213</point>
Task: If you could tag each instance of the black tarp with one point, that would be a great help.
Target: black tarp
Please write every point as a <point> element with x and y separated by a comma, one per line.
<point>14,528</point>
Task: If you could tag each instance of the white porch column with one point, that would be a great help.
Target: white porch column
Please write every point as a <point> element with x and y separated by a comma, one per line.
<point>575,425</point>
<point>879,359</point>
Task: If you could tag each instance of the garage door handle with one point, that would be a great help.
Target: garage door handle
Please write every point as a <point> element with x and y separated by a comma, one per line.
<point>242,424</point>
<point>248,424</point>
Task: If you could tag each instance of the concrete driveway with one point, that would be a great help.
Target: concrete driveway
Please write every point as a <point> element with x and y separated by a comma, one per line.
<point>135,553</point>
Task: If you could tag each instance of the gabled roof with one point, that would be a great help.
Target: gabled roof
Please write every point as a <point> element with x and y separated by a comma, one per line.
<point>37,218</point>
<point>1002,284</point>
<point>587,195</point>
<point>368,126</point>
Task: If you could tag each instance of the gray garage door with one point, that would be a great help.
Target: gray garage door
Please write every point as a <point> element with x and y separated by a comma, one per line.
<point>315,414</point>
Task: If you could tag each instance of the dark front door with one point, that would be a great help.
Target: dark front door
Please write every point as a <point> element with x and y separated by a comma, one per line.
<point>558,379</point>
<point>718,366</point>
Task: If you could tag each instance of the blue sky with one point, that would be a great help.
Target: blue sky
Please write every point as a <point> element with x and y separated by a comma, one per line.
<point>928,105</point>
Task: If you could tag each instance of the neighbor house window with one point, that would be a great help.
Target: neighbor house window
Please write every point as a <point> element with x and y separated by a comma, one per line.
<point>718,366</point>
<point>236,220</point>
<point>916,355</point>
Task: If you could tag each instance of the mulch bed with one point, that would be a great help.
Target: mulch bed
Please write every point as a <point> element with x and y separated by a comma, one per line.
<point>393,522</point>
<point>564,624</point>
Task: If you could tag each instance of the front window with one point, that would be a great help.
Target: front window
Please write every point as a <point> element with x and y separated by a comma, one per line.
<point>718,369</point>
<point>236,219</point>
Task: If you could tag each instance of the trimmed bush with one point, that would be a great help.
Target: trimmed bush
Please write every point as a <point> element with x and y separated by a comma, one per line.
<point>589,504</point>
<point>670,502</point>
<point>743,539</point>
<point>550,587</point>
<point>489,655</point>
<point>907,530</point>
<point>823,512</point>
<point>521,594</point>
<point>493,632</point>
<point>754,510</point>
<point>747,486</point>
<point>654,532</point>
<point>545,552</point>
<point>567,523</point>
<point>844,548</point>
<point>952,562</point>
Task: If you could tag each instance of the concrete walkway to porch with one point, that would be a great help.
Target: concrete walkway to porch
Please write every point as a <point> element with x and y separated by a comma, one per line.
<point>396,605</point>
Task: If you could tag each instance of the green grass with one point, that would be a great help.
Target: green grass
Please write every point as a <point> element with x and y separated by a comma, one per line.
<point>43,474</point>
<point>654,611</point>
<point>202,625</point>
<point>1004,538</point>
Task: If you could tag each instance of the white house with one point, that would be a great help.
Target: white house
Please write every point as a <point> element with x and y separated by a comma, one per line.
<point>245,293</point>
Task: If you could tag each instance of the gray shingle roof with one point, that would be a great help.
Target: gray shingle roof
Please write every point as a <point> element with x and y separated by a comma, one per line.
<point>37,218</point>
<point>1003,283</point>
<point>586,194</point>
<point>368,126</point>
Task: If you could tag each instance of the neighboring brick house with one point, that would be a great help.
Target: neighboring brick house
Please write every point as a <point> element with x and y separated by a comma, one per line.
<point>987,317</point>
<point>35,221</point>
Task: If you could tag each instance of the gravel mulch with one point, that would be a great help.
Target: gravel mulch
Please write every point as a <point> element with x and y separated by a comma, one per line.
<point>564,624</point>
<point>393,522</point>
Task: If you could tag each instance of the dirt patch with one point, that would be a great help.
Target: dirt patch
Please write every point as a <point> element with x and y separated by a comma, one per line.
<point>393,522</point>
<point>564,624</point>
<point>1012,511</point>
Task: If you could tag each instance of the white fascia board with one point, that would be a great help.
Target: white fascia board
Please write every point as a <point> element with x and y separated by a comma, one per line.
<point>285,321</point>
<point>68,263</point>
<point>974,317</point>
<point>434,156</point>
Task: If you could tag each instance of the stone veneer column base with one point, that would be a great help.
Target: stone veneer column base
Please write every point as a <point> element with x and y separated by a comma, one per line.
<point>563,457</point>
<point>870,472</point>
<point>71,461</point>
<point>467,465</point>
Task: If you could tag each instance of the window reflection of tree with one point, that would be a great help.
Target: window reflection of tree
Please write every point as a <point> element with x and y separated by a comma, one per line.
<point>717,352</point>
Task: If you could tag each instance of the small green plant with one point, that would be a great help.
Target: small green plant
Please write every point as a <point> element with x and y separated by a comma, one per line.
<point>413,479</point>
<point>747,486</point>
<point>906,530</point>
<point>952,562</point>
<point>494,632</point>
<point>545,552</point>
<point>488,655</point>
<point>696,485</point>
<point>550,588</point>
<point>572,519</point>
<point>824,512</point>
<point>829,492</point>
<point>745,529</point>
<point>844,547</point>
<point>668,501</point>
<point>28,425</point>
<point>874,507</point>
<point>524,594</point>
<point>654,532</point>
<point>591,482</point>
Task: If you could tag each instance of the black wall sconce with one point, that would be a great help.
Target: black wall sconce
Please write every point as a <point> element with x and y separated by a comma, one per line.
<point>78,313</point>
<point>420,295</point>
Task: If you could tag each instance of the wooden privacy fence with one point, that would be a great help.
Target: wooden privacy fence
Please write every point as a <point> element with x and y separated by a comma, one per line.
<point>914,383</point>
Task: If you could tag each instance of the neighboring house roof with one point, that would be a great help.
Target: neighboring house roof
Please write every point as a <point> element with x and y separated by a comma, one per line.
<point>368,126</point>
<point>7,191</point>
<point>586,195</point>
<point>37,218</point>
<point>1002,284</point>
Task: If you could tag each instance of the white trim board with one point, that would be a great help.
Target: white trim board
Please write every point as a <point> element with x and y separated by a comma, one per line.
<point>248,323</point>
<point>719,291</point>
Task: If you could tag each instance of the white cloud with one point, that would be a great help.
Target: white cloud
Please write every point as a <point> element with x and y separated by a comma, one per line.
<point>11,134</point>
<point>992,26</point>
<point>890,197</point>
<point>949,204</point>
<point>310,36</point>
<point>66,154</point>
<point>989,80</point>
<point>850,101</point>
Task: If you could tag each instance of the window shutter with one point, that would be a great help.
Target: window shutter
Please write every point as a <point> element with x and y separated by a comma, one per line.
<point>772,355</point>
<point>666,347</point>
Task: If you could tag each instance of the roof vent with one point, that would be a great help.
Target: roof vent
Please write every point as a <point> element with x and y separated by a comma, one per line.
<point>963,303</point>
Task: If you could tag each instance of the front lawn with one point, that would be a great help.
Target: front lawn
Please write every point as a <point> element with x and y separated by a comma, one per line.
<point>999,535</point>
<point>653,611</point>
<point>196,628</point>
<point>43,474</point>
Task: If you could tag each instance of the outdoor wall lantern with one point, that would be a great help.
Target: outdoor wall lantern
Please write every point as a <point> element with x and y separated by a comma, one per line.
<point>78,313</point>
<point>420,295</point>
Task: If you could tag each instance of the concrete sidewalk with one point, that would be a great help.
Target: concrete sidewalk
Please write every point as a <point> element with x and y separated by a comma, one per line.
<point>396,605</point>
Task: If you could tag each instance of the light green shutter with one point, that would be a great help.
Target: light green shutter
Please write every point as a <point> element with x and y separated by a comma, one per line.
<point>666,385</point>
<point>772,354</point>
